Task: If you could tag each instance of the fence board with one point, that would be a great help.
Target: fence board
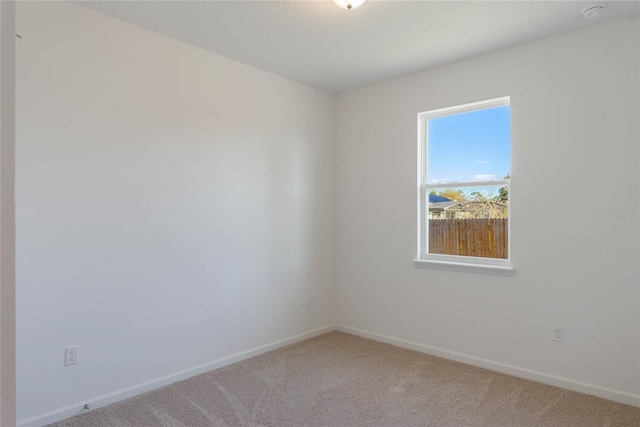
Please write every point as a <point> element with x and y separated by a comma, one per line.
<point>480,237</point>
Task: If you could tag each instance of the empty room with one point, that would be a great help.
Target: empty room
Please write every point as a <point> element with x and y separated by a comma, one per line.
<point>327,213</point>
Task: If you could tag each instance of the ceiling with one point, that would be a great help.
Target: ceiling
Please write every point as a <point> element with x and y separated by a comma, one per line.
<point>335,50</point>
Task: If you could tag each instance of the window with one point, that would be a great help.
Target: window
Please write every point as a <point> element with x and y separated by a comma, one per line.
<point>464,171</point>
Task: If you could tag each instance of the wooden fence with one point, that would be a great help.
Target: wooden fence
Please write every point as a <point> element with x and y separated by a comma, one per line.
<point>481,237</point>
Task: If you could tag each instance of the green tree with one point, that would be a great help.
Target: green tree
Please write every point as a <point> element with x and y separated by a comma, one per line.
<point>503,193</point>
<point>478,196</point>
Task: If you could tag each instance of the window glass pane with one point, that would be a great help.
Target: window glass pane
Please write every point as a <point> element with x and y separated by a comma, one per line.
<point>473,146</point>
<point>469,221</point>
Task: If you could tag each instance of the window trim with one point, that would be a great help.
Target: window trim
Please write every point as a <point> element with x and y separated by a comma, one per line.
<point>455,262</point>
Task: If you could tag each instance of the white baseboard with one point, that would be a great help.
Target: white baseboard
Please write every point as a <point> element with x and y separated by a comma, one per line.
<point>554,380</point>
<point>107,399</point>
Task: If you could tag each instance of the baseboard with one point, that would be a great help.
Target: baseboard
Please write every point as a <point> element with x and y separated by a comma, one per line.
<point>554,380</point>
<point>107,399</point>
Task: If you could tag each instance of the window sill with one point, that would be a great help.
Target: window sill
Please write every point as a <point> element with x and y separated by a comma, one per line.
<point>498,270</point>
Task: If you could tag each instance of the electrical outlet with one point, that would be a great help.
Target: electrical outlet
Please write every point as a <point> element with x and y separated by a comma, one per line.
<point>308,301</point>
<point>558,333</point>
<point>71,355</point>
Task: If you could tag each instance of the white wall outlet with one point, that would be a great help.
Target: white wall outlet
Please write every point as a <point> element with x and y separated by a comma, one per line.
<point>71,355</point>
<point>308,301</point>
<point>558,333</point>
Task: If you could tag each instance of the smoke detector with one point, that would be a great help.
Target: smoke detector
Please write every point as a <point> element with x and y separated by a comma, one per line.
<point>593,11</point>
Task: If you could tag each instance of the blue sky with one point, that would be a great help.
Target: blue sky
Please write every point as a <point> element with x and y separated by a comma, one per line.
<point>472,146</point>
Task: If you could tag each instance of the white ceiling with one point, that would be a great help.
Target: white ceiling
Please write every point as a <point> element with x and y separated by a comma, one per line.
<point>321,45</point>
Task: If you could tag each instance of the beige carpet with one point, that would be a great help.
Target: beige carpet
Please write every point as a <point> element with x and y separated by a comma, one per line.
<point>342,380</point>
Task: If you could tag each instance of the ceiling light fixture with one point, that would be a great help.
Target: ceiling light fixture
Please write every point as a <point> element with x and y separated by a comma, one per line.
<point>348,4</point>
<point>593,11</point>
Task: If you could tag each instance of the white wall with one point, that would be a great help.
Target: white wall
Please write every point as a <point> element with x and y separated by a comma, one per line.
<point>174,207</point>
<point>7,215</point>
<point>575,139</point>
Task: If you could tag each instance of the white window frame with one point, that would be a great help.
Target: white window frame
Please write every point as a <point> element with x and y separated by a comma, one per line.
<point>456,262</point>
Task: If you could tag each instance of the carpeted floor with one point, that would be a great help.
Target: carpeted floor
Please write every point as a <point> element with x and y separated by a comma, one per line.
<point>341,380</point>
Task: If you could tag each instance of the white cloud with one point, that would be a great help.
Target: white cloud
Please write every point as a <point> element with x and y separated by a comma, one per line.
<point>486,177</point>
